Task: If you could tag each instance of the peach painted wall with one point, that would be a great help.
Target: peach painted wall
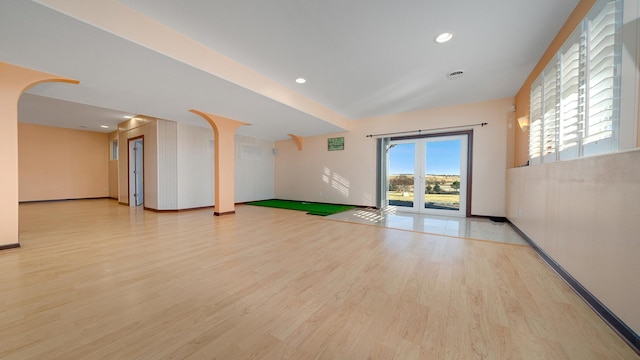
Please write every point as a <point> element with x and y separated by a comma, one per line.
<point>56,163</point>
<point>584,213</point>
<point>349,176</point>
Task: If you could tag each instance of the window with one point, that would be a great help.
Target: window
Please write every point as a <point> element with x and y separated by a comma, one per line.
<point>549,111</point>
<point>114,150</point>
<point>603,86</point>
<point>571,97</point>
<point>575,102</point>
<point>535,129</point>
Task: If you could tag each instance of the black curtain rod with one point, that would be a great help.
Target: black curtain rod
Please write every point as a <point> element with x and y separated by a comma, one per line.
<point>427,130</point>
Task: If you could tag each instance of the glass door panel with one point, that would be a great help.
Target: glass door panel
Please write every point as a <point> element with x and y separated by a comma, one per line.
<point>401,178</point>
<point>442,175</point>
<point>445,171</point>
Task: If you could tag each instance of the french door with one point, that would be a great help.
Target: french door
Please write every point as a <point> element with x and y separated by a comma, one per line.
<point>428,175</point>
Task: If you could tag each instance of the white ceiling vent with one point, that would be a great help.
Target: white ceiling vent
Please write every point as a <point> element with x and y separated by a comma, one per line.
<point>455,74</point>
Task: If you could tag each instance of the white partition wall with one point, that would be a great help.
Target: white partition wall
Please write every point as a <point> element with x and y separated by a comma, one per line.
<point>167,163</point>
<point>195,166</point>
<point>178,166</point>
<point>254,168</point>
<point>254,172</point>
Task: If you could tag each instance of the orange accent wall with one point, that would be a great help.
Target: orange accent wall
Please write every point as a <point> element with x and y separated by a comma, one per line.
<point>521,144</point>
<point>56,163</point>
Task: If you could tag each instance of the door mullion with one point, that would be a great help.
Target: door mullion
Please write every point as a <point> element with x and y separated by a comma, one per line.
<point>419,175</point>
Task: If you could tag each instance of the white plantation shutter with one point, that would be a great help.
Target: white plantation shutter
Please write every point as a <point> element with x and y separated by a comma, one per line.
<point>550,111</point>
<point>535,120</point>
<point>575,102</point>
<point>602,83</point>
<point>572,91</point>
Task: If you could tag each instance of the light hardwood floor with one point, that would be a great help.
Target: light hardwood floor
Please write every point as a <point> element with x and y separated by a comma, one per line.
<point>96,280</point>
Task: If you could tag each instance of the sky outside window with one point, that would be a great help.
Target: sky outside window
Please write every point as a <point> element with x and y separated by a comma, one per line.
<point>443,158</point>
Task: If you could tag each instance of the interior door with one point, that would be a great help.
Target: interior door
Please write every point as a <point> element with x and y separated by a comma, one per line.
<point>428,175</point>
<point>136,172</point>
<point>139,173</point>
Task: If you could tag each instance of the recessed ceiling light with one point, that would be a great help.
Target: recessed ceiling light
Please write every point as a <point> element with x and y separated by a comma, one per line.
<point>127,116</point>
<point>444,37</point>
<point>104,126</point>
<point>301,80</point>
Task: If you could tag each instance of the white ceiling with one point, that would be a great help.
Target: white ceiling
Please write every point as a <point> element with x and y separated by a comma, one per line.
<point>361,58</point>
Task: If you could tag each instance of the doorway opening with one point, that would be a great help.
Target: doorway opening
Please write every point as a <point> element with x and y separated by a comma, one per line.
<point>428,174</point>
<point>136,171</point>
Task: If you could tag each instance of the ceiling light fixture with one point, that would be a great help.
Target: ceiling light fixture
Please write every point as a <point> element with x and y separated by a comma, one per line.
<point>444,37</point>
<point>301,80</point>
<point>104,126</point>
<point>128,117</point>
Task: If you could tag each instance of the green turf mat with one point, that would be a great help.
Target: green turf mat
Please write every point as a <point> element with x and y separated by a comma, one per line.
<point>309,207</point>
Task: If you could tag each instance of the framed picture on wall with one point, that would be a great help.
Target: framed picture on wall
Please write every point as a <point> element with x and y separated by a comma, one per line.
<point>335,143</point>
